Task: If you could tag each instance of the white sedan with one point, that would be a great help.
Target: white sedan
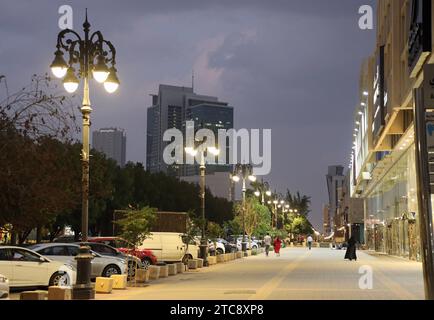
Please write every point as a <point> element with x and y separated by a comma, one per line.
<point>4,287</point>
<point>26,268</point>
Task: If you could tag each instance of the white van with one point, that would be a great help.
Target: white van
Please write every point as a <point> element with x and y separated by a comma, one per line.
<point>170,247</point>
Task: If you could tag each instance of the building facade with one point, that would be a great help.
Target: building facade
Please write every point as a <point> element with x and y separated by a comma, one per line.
<point>112,142</point>
<point>383,161</point>
<point>335,179</point>
<point>171,108</point>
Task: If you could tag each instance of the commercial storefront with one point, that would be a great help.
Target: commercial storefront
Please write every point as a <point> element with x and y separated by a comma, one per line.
<point>391,208</point>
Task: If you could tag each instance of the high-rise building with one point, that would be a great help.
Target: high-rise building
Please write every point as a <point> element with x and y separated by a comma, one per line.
<point>112,142</point>
<point>335,179</point>
<point>171,108</point>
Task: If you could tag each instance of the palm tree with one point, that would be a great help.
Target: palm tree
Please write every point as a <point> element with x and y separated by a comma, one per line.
<point>301,203</point>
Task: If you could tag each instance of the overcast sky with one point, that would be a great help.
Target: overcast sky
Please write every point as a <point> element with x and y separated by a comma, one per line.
<point>287,65</point>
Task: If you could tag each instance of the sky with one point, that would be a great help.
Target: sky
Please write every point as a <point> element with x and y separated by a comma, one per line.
<point>291,66</point>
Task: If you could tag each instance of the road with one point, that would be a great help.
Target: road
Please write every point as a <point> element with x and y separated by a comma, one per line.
<point>297,274</point>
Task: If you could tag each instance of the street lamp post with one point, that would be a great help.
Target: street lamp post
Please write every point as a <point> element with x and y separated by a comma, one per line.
<point>203,241</point>
<point>90,53</point>
<point>246,172</point>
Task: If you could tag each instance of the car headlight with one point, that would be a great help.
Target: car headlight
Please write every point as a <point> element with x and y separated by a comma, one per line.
<point>4,280</point>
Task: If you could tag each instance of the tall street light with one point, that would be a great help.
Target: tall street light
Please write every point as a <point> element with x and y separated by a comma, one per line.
<point>193,152</point>
<point>245,171</point>
<point>89,54</point>
<point>263,190</point>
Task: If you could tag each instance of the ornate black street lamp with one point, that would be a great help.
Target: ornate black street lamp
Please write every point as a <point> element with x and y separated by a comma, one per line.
<point>90,54</point>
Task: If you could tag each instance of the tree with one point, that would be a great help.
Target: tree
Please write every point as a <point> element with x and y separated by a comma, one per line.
<point>301,203</point>
<point>256,217</point>
<point>135,225</point>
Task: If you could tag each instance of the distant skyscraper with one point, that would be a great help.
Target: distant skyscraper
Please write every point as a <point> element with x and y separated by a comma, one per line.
<point>171,108</point>
<point>112,142</point>
<point>335,179</point>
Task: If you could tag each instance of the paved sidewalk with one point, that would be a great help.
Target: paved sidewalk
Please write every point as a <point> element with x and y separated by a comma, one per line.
<point>297,274</point>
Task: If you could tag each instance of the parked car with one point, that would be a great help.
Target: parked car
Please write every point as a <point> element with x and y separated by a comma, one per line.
<point>171,246</point>
<point>250,244</point>
<point>102,266</point>
<point>106,250</point>
<point>27,268</point>
<point>216,251</point>
<point>229,247</point>
<point>146,256</point>
<point>4,287</point>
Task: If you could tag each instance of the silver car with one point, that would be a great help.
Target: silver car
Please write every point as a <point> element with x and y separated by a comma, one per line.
<point>4,287</point>
<point>102,266</point>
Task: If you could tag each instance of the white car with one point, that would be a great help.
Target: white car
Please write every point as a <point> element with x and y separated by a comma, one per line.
<point>4,287</point>
<point>252,244</point>
<point>220,249</point>
<point>26,268</point>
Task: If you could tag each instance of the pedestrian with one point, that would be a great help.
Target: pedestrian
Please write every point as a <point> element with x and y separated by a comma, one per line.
<point>309,242</point>
<point>277,245</point>
<point>267,242</point>
<point>351,250</point>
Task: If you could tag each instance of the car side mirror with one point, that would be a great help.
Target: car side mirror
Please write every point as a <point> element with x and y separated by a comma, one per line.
<point>42,260</point>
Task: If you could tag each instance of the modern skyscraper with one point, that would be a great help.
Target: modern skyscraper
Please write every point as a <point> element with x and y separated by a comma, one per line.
<point>171,108</point>
<point>112,142</point>
<point>335,179</point>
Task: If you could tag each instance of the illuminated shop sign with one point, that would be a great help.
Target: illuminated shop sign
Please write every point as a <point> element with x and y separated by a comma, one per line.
<point>419,42</point>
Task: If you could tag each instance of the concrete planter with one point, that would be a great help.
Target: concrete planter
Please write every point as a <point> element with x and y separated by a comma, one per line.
<point>173,270</point>
<point>154,272</point>
<point>104,285</point>
<point>180,267</point>
<point>59,293</point>
<point>199,263</point>
<point>119,281</point>
<point>212,260</point>
<point>33,295</point>
<point>164,271</point>
<point>239,254</point>
<point>142,275</point>
<point>220,258</point>
<point>193,264</point>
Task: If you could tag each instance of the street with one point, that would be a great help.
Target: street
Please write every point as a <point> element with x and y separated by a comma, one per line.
<point>297,274</point>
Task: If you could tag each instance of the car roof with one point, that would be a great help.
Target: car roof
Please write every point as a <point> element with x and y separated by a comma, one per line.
<point>54,244</point>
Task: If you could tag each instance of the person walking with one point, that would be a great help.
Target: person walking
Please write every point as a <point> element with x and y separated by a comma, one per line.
<point>267,243</point>
<point>309,242</point>
<point>351,250</point>
<point>277,244</point>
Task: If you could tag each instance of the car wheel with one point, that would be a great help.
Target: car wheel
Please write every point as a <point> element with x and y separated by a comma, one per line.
<point>59,279</point>
<point>111,269</point>
<point>146,262</point>
<point>186,258</point>
<point>219,251</point>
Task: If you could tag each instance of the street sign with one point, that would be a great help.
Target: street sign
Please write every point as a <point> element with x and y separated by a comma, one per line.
<point>428,86</point>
